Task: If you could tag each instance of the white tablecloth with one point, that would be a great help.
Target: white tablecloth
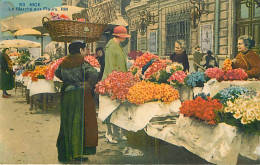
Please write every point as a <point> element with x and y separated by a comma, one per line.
<point>106,106</point>
<point>42,86</point>
<point>213,86</point>
<point>218,144</point>
<point>135,117</point>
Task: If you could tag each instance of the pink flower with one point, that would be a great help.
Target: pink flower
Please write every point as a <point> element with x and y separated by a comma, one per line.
<point>92,61</point>
<point>178,77</point>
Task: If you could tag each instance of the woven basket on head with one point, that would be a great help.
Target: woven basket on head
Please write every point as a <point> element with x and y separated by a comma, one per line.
<point>97,17</point>
<point>69,30</point>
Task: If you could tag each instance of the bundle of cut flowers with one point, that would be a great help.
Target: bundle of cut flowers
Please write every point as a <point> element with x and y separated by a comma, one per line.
<point>227,65</point>
<point>143,92</point>
<point>39,73</point>
<point>14,54</point>
<point>26,73</point>
<point>92,61</point>
<point>177,78</point>
<point>51,70</point>
<point>196,79</point>
<point>235,74</point>
<point>203,109</point>
<point>243,113</point>
<point>116,85</point>
<point>55,16</point>
<point>233,92</point>
<point>163,75</point>
<point>215,73</point>
<point>148,67</point>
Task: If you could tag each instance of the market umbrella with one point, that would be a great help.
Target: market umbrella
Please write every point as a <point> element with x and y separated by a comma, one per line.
<point>34,19</point>
<point>18,43</point>
<point>31,32</point>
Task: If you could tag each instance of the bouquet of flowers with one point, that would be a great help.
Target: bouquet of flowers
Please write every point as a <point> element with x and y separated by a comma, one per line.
<point>154,70</point>
<point>51,69</point>
<point>116,85</point>
<point>235,74</point>
<point>92,61</point>
<point>173,67</point>
<point>243,113</point>
<point>143,92</point>
<point>150,67</point>
<point>26,73</point>
<point>163,75</point>
<point>233,92</point>
<point>55,16</point>
<point>203,109</point>
<point>227,65</point>
<point>196,79</point>
<point>144,59</point>
<point>14,54</point>
<point>215,73</point>
<point>177,78</point>
<point>39,73</point>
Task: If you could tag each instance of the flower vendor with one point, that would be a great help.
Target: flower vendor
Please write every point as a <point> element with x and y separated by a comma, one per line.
<point>247,59</point>
<point>78,129</point>
<point>180,55</point>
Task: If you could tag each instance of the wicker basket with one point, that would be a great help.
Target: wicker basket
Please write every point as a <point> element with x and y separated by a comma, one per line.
<point>69,30</point>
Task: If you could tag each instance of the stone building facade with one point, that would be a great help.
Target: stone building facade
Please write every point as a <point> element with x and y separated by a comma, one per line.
<point>156,24</point>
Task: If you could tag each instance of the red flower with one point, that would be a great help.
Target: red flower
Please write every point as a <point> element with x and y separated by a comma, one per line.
<point>116,85</point>
<point>92,61</point>
<point>201,109</point>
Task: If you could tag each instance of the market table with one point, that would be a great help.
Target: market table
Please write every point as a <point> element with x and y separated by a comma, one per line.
<point>43,87</point>
<point>212,87</point>
<point>220,144</point>
<point>135,117</point>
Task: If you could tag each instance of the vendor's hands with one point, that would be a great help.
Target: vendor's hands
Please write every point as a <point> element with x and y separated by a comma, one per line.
<point>234,60</point>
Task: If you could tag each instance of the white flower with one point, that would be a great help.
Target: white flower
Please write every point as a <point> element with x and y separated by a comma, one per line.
<point>258,117</point>
<point>227,109</point>
<point>243,121</point>
<point>237,115</point>
<point>168,69</point>
<point>229,103</point>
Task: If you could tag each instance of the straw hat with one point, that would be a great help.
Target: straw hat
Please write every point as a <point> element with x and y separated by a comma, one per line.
<point>120,31</point>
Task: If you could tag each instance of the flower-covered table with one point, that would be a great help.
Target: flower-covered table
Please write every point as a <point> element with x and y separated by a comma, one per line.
<point>213,86</point>
<point>41,86</point>
<point>218,144</point>
<point>135,117</point>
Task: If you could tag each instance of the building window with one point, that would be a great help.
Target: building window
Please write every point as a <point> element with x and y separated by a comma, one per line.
<point>177,27</point>
<point>248,22</point>
<point>133,42</point>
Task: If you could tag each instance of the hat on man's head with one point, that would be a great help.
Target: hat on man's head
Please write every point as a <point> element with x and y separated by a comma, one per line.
<point>197,46</point>
<point>120,31</point>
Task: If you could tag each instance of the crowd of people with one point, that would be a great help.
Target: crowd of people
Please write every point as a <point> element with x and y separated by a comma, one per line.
<point>78,134</point>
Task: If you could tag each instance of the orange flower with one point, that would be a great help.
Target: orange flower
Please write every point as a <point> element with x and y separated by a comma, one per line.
<point>227,64</point>
<point>143,92</point>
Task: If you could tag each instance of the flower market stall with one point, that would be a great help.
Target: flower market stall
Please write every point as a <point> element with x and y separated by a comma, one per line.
<point>217,115</point>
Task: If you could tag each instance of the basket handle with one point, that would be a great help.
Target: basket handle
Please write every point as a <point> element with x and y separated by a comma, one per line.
<point>44,19</point>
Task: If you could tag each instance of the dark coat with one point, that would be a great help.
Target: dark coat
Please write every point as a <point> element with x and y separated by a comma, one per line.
<point>183,59</point>
<point>6,73</point>
<point>79,79</point>
<point>210,58</point>
<point>101,61</point>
